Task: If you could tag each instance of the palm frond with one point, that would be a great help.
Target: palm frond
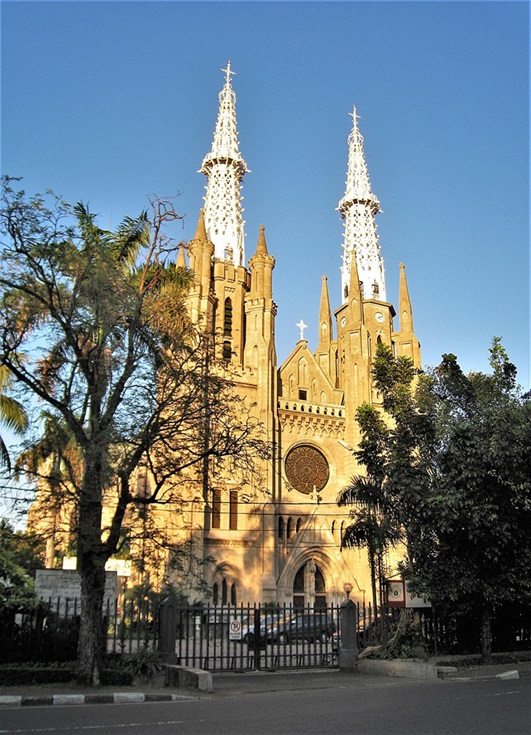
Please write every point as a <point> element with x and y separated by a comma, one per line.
<point>4,455</point>
<point>132,234</point>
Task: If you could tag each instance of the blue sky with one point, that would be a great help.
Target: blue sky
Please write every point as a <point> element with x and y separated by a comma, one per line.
<point>107,102</point>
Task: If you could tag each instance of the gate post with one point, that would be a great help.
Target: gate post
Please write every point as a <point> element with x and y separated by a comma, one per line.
<point>257,638</point>
<point>167,631</point>
<point>348,649</point>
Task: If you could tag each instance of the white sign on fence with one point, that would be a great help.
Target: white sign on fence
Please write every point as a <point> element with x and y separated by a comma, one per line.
<point>60,585</point>
<point>235,630</point>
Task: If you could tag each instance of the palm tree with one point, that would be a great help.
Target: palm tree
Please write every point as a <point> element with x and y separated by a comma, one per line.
<point>374,526</point>
<point>12,414</point>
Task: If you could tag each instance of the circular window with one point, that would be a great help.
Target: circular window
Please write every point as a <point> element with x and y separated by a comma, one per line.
<point>306,469</point>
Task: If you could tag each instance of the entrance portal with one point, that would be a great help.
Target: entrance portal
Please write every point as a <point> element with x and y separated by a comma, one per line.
<point>309,588</point>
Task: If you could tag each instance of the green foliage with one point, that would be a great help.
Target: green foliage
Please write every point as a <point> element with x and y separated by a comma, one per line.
<point>374,522</point>
<point>85,328</point>
<point>20,554</point>
<point>12,414</point>
<point>144,664</point>
<point>456,466</point>
<point>36,673</point>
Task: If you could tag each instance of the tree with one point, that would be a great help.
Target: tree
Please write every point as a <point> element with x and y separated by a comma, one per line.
<point>478,553</point>
<point>94,325</point>
<point>12,414</point>
<point>375,524</point>
<point>456,466</point>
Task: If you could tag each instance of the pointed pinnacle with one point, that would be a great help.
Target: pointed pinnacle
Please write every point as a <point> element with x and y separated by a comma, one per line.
<point>181,260</point>
<point>404,303</point>
<point>200,233</point>
<point>261,248</point>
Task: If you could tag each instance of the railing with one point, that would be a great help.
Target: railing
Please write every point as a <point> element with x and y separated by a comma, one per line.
<point>254,637</point>
<point>51,632</point>
<point>224,638</point>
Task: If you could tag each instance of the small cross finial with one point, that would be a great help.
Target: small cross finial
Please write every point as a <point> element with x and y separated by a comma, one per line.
<point>228,73</point>
<point>302,326</point>
<point>354,115</point>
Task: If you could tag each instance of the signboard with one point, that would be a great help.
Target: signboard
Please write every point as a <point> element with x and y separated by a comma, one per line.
<point>235,630</point>
<point>396,595</point>
<point>122,567</point>
<point>413,601</point>
<point>60,585</point>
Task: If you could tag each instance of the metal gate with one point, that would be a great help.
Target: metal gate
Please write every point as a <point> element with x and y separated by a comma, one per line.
<point>248,638</point>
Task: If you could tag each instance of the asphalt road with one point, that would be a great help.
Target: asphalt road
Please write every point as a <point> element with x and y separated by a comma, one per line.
<point>355,706</point>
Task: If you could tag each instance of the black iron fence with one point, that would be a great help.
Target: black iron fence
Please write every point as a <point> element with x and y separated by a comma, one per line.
<point>238,637</point>
<point>254,637</point>
<point>51,631</point>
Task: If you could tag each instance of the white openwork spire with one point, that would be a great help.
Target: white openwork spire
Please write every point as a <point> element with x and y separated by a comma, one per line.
<point>225,168</point>
<point>358,208</point>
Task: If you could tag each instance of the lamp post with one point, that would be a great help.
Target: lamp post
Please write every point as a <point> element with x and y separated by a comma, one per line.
<point>348,589</point>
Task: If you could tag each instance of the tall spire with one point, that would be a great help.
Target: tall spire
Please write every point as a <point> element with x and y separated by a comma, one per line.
<point>404,304</point>
<point>358,208</point>
<point>325,316</point>
<point>224,168</point>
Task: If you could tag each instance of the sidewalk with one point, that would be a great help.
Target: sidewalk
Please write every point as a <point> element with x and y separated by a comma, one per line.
<point>230,684</point>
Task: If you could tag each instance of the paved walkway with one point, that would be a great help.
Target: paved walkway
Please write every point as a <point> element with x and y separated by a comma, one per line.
<point>226,684</point>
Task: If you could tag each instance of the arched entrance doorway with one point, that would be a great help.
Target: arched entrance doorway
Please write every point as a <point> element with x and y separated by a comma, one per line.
<point>309,588</point>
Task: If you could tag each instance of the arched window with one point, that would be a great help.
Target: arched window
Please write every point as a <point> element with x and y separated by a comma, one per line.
<point>227,350</point>
<point>333,528</point>
<point>298,582</point>
<point>224,592</point>
<point>215,593</point>
<point>233,593</point>
<point>227,318</point>
<point>233,510</point>
<point>289,531</point>
<point>216,508</point>
<point>298,525</point>
<point>281,528</point>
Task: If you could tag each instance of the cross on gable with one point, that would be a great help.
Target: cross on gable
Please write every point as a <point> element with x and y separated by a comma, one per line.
<point>302,326</point>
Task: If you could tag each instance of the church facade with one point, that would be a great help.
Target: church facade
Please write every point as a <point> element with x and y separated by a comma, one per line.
<point>277,538</point>
<point>282,543</point>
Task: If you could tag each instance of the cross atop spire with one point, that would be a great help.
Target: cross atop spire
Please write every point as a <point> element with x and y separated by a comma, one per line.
<point>355,117</point>
<point>228,73</point>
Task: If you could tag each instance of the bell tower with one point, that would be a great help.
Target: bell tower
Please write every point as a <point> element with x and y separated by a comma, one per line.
<point>223,224</point>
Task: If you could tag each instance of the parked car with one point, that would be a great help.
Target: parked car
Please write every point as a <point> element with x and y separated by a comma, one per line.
<point>267,621</point>
<point>303,626</point>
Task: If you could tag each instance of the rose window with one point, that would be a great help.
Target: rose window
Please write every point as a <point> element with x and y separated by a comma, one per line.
<point>307,469</point>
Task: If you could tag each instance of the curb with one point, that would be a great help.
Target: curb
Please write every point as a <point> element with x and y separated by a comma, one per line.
<point>404,668</point>
<point>69,699</point>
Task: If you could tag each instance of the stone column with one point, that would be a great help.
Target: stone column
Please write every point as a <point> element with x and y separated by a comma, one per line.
<point>348,649</point>
<point>167,631</point>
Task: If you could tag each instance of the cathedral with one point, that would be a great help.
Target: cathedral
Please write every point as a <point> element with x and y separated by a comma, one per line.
<point>279,540</point>
<point>283,543</point>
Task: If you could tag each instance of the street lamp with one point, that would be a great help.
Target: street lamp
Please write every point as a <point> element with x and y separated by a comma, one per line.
<point>348,589</point>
